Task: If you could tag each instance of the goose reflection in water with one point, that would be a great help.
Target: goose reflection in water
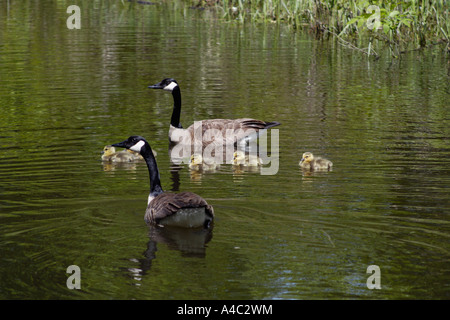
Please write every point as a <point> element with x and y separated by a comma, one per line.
<point>191,242</point>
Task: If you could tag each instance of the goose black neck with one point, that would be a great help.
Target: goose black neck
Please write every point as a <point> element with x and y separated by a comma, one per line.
<point>155,182</point>
<point>175,120</point>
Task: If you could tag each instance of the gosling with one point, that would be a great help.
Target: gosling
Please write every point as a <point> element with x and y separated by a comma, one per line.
<point>250,160</point>
<point>197,163</point>
<point>311,163</point>
<point>109,154</point>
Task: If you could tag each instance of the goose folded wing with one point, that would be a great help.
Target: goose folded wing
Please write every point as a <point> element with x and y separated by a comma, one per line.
<point>167,204</point>
<point>256,124</point>
<point>235,124</point>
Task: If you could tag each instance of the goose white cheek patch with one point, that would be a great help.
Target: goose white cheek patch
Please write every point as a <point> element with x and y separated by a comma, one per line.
<point>170,86</point>
<point>137,147</point>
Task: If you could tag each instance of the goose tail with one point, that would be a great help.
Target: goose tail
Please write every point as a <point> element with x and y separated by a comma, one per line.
<point>272,124</point>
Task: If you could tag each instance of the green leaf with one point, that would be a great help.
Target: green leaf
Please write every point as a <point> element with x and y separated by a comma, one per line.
<point>386,28</point>
<point>393,13</point>
<point>352,21</point>
<point>360,23</point>
<point>406,22</point>
<point>383,12</point>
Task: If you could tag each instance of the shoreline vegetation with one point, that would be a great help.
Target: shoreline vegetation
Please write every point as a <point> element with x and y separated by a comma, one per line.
<point>361,25</point>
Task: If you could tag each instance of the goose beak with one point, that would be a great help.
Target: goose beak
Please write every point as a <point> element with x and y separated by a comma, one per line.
<point>156,86</point>
<point>120,144</point>
<point>303,159</point>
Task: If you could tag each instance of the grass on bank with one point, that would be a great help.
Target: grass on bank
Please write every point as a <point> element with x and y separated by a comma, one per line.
<point>401,25</point>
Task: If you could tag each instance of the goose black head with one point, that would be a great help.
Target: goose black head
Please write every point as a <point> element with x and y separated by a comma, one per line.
<point>134,143</point>
<point>167,84</point>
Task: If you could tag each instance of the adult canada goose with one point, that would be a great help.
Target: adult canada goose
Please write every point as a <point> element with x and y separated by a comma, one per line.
<point>250,160</point>
<point>311,163</point>
<point>184,209</point>
<point>232,131</point>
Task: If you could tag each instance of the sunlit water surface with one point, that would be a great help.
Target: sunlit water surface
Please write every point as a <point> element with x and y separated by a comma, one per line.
<point>65,94</point>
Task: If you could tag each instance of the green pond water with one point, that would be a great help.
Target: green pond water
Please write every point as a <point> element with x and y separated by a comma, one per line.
<point>66,93</point>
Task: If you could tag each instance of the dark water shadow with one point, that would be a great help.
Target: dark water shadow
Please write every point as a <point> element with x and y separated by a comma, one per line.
<point>189,242</point>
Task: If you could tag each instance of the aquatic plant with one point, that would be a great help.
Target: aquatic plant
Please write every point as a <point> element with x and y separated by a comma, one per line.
<point>398,24</point>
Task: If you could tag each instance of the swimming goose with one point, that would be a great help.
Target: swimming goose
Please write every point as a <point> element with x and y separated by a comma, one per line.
<point>250,160</point>
<point>184,209</point>
<point>233,131</point>
<point>309,162</point>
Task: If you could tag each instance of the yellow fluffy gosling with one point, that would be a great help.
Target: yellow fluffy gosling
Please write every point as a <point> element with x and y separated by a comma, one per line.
<point>249,160</point>
<point>110,154</point>
<point>311,163</point>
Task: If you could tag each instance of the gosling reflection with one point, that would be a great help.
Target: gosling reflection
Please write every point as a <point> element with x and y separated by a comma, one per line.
<point>113,166</point>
